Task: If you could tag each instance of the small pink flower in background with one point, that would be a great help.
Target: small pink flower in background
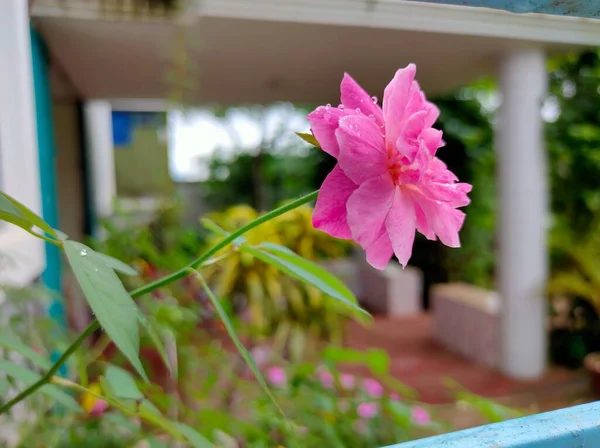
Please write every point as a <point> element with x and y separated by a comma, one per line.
<point>326,378</point>
<point>98,409</point>
<point>420,416</point>
<point>388,182</point>
<point>394,396</point>
<point>367,410</point>
<point>347,381</point>
<point>373,387</point>
<point>276,376</point>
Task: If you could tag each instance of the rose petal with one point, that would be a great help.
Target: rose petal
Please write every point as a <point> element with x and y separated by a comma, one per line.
<point>362,152</point>
<point>324,121</point>
<point>401,225</point>
<point>354,97</point>
<point>379,253</point>
<point>368,207</point>
<point>432,139</point>
<point>444,220</point>
<point>396,97</point>
<point>330,212</point>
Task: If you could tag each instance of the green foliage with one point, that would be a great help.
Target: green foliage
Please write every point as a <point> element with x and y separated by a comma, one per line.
<point>470,154</point>
<point>573,139</point>
<point>110,302</point>
<point>28,377</point>
<point>297,313</point>
<point>233,181</point>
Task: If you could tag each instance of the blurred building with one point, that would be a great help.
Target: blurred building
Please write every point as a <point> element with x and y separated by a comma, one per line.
<point>67,66</point>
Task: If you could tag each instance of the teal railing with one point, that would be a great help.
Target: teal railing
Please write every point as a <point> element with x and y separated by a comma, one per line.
<point>577,8</point>
<point>574,427</point>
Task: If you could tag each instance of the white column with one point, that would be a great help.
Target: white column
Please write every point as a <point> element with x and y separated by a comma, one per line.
<point>523,213</point>
<point>19,164</point>
<point>100,155</point>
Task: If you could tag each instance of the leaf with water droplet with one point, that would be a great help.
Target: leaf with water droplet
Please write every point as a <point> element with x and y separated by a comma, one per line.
<point>111,303</point>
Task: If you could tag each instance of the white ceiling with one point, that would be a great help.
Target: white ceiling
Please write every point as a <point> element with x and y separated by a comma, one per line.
<point>233,60</point>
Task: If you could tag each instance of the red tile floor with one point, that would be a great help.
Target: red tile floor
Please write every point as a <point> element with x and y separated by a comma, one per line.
<point>420,362</point>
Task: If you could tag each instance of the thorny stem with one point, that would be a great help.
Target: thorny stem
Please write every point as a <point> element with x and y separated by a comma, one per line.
<point>183,272</point>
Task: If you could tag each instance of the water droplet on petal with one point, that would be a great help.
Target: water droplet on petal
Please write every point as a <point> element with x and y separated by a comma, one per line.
<point>374,99</point>
<point>328,106</point>
<point>358,109</point>
<point>341,107</point>
<point>371,116</point>
<point>83,252</point>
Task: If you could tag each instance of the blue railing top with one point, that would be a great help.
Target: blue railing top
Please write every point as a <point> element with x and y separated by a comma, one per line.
<point>577,8</point>
<point>574,427</point>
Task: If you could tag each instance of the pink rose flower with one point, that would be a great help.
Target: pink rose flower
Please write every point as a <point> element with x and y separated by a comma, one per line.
<point>367,410</point>
<point>276,376</point>
<point>420,416</point>
<point>388,182</point>
<point>373,387</point>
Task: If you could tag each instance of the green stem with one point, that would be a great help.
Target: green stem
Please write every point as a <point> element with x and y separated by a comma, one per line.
<point>120,406</point>
<point>50,373</point>
<point>155,285</point>
<point>184,272</point>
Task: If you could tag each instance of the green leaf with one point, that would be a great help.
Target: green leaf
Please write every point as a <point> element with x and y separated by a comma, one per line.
<point>148,407</point>
<point>379,361</point>
<point>308,138</point>
<point>156,443</point>
<point>234,337</point>
<point>111,303</point>
<point>117,265</point>
<point>194,437</point>
<point>214,227</point>
<point>218,230</point>
<point>25,351</point>
<point>154,337</point>
<point>27,377</point>
<point>307,271</point>
<point>122,383</point>
<point>4,388</point>
<point>10,205</point>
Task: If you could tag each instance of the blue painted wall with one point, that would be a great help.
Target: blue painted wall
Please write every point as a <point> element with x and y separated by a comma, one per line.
<point>52,275</point>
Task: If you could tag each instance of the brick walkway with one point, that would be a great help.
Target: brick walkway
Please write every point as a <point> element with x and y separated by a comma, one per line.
<point>420,362</point>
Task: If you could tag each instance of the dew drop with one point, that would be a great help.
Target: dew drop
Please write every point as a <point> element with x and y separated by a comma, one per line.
<point>374,99</point>
<point>358,109</point>
<point>328,106</point>
<point>96,270</point>
<point>371,116</point>
<point>341,107</point>
<point>83,252</point>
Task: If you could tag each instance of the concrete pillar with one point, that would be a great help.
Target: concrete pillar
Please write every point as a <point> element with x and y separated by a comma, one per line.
<point>19,163</point>
<point>523,213</point>
<point>100,156</point>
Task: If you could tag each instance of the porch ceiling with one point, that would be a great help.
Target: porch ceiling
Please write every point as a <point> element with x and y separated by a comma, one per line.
<point>267,50</point>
